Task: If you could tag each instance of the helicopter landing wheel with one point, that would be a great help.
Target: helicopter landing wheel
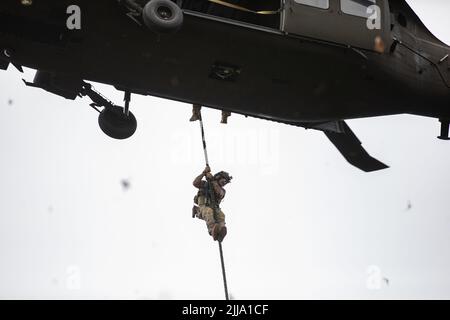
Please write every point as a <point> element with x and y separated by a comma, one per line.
<point>116,124</point>
<point>162,16</point>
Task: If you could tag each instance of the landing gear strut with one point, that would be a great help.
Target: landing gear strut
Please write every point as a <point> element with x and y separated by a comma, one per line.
<point>115,121</point>
<point>445,125</point>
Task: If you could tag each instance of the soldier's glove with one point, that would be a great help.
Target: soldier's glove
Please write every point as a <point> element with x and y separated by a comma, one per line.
<point>209,176</point>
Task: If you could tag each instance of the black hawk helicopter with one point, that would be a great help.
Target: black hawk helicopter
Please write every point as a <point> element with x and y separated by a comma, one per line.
<point>308,63</point>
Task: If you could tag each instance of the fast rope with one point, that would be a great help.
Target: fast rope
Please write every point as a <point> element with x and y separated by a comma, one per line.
<point>213,200</point>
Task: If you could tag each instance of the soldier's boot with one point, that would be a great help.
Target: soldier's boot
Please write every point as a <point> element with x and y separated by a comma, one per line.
<point>219,232</point>
<point>222,233</point>
<point>215,232</point>
<point>194,211</point>
<point>225,116</point>
<point>195,113</point>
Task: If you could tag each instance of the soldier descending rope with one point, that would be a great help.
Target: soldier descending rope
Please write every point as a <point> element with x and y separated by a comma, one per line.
<point>207,200</point>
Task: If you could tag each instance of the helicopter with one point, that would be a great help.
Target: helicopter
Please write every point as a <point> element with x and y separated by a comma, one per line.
<point>306,63</point>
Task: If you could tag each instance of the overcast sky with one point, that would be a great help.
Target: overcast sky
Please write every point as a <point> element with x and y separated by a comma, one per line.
<point>302,222</point>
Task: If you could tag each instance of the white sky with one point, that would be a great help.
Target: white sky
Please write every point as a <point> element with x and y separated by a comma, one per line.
<point>302,222</point>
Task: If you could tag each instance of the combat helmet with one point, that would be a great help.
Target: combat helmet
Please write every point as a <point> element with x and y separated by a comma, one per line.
<point>223,175</point>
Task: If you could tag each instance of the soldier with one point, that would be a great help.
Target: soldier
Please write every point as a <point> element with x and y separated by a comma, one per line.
<point>207,204</point>
<point>196,114</point>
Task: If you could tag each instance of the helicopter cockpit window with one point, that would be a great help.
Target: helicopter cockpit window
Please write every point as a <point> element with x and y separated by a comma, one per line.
<point>322,4</point>
<point>357,7</point>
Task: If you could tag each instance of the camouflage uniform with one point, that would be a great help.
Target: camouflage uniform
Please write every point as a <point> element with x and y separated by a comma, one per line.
<point>205,209</point>
<point>196,114</point>
<point>206,212</point>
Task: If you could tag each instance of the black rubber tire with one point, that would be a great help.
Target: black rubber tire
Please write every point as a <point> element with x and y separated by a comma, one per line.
<point>115,124</point>
<point>162,16</point>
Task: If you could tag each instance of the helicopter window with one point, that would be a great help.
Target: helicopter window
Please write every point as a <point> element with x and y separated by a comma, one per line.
<point>219,9</point>
<point>357,7</point>
<point>323,4</point>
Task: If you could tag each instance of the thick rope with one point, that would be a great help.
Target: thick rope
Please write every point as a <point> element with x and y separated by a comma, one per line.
<point>204,140</point>
<point>213,200</point>
<point>223,271</point>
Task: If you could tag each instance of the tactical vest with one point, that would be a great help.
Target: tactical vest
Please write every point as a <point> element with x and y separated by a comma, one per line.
<point>203,197</point>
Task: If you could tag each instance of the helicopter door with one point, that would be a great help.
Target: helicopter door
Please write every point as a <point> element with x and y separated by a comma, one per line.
<point>357,23</point>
